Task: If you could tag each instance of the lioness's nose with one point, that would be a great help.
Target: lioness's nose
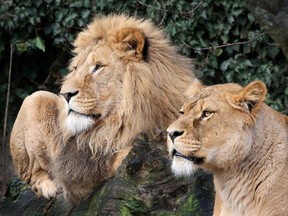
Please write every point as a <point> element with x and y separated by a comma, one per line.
<point>69,95</point>
<point>173,134</point>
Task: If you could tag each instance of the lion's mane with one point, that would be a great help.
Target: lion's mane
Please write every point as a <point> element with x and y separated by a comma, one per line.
<point>152,89</point>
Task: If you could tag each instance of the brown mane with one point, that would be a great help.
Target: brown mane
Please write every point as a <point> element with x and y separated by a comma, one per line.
<point>164,75</point>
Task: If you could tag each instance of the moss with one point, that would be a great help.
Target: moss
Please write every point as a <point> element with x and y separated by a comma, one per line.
<point>133,207</point>
<point>190,207</point>
<point>16,187</point>
<point>124,211</point>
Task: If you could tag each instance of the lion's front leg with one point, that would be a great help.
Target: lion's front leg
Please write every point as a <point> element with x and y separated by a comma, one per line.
<point>32,164</point>
<point>32,140</point>
<point>40,164</point>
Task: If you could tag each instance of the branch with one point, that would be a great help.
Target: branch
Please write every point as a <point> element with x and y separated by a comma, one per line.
<point>213,47</point>
<point>5,120</point>
<point>146,5</point>
<point>197,4</point>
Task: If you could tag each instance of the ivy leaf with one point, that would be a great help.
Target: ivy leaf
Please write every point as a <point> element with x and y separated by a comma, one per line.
<point>39,43</point>
<point>237,11</point>
<point>218,52</point>
<point>225,65</point>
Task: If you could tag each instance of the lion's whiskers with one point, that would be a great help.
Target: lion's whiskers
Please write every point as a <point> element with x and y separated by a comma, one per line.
<point>91,103</point>
<point>112,101</point>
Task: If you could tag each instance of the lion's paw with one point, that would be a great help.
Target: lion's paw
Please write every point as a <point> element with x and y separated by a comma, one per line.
<point>47,188</point>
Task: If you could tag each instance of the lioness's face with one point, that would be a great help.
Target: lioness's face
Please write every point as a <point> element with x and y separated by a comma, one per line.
<point>92,88</point>
<point>212,132</point>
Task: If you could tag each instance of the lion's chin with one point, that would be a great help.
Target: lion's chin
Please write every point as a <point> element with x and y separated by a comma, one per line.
<point>193,158</point>
<point>182,167</point>
<point>77,123</point>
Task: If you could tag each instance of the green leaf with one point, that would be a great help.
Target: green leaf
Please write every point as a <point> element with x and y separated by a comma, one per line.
<point>225,65</point>
<point>237,11</point>
<point>224,38</point>
<point>21,46</point>
<point>218,52</point>
<point>39,43</point>
<point>273,51</point>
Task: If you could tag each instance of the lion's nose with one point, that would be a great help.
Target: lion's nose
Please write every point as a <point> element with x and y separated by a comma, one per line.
<point>174,134</point>
<point>69,95</point>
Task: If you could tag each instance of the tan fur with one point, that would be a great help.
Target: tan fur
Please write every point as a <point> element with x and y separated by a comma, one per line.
<point>230,131</point>
<point>125,79</point>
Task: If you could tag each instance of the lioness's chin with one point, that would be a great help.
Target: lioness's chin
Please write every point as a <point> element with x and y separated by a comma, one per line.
<point>76,123</point>
<point>182,167</point>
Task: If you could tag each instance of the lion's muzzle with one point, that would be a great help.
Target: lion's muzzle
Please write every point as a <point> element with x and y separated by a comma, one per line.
<point>69,95</point>
<point>192,158</point>
<point>174,134</point>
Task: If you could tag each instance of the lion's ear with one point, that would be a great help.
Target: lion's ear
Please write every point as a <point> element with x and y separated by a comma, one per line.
<point>132,41</point>
<point>252,96</point>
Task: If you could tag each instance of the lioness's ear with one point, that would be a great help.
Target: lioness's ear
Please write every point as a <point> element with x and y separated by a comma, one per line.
<point>133,42</point>
<point>252,96</point>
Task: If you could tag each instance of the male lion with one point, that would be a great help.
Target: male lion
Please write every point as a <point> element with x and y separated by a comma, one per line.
<point>231,132</point>
<point>125,79</point>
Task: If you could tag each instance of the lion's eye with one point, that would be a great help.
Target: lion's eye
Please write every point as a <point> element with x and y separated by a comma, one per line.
<point>181,112</point>
<point>206,114</point>
<point>97,68</point>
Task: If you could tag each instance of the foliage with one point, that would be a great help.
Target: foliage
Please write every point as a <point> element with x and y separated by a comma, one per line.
<point>254,55</point>
<point>41,33</point>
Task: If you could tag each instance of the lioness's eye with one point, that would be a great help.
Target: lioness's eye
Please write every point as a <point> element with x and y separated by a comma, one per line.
<point>181,112</point>
<point>206,114</point>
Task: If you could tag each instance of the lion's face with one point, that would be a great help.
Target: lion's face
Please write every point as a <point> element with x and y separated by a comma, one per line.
<point>92,90</point>
<point>106,60</point>
<point>214,130</point>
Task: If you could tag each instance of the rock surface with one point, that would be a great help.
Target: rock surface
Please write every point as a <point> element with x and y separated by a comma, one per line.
<point>143,185</point>
<point>273,18</point>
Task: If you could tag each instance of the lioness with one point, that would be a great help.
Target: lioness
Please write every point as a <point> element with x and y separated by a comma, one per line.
<point>230,131</point>
<point>125,79</point>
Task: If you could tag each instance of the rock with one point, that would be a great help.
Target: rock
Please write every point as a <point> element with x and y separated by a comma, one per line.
<point>143,185</point>
<point>273,18</point>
